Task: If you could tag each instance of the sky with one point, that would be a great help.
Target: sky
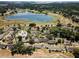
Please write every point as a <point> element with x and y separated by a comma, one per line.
<point>41,0</point>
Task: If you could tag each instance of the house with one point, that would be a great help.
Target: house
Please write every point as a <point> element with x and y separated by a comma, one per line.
<point>2,46</point>
<point>38,46</point>
<point>43,39</point>
<point>57,48</point>
<point>10,46</point>
<point>41,45</point>
<point>27,45</point>
<point>69,49</point>
<point>51,42</point>
<point>9,37</point>
<point>67,42</point>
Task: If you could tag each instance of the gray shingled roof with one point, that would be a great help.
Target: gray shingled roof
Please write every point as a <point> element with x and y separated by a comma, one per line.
<point>43,39</point>
<point>51,41</point>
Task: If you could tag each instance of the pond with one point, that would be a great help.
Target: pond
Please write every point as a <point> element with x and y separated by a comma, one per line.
<point>30,16</point>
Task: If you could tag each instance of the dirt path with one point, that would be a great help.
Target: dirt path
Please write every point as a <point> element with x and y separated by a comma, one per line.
<point>5,53</point>
<point>37,54</point>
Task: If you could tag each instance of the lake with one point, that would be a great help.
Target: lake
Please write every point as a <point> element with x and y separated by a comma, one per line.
<point>30,16</point>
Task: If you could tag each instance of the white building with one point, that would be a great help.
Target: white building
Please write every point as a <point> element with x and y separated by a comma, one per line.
<point>23,34</point>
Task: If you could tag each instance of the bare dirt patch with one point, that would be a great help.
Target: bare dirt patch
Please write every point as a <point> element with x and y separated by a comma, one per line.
<point>40,53</point>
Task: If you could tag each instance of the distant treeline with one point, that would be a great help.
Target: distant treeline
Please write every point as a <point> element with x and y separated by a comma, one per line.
<point>65,8</point>
<point>47,6</point>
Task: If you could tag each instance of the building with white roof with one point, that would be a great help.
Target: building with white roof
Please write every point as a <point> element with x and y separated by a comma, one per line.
<point>23,34</point>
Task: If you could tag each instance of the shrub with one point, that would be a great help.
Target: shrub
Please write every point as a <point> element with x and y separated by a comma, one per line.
<point>1,31</point>
<point>32,24</point>
<point>20,49</point>
<point>76,52</point>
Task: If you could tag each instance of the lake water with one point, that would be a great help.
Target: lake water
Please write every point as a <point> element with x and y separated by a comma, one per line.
<point>30,16</point>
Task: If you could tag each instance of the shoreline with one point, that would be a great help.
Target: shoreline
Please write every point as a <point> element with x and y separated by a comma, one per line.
<point>5,22</point>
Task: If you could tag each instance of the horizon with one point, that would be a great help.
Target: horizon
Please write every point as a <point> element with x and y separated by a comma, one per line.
<point>40,2</point>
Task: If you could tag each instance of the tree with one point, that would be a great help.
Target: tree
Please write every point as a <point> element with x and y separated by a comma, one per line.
<point>31,41</point>
<point>1,31</point>
<point>59,24</point>
<point>76,52</point>
<point>19,26</point>
<point>2,11</point>
<point>77,28</point>
<point>69,24</point>
<point>77,36</point>
<point>59,41</point>
<point>32,24</point>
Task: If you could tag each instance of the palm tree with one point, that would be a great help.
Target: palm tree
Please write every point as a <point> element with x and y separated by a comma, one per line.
<point>19,48</point>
